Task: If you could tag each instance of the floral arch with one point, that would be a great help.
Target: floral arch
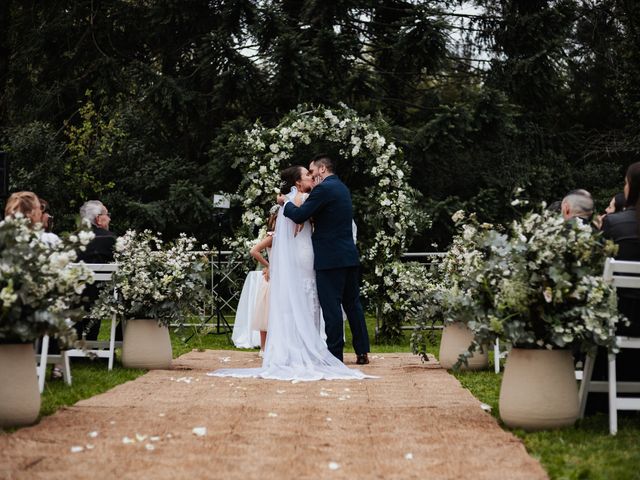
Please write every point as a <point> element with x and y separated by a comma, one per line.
<point>386,205</point>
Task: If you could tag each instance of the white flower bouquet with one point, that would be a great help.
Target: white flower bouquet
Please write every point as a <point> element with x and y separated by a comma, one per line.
<point>154,280</point>
<point>40,286</point>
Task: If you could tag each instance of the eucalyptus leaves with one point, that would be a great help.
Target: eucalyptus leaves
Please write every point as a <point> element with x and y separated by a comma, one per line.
<point>536,285</point>
<point>40,286</point>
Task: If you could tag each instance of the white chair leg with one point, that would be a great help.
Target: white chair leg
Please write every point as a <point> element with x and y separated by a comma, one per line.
<point>112,340</point>
<point>587,371</point>
<point>613,395</point>
<point>496,356</point>
<point>42,368</point>
<point>66,368</point>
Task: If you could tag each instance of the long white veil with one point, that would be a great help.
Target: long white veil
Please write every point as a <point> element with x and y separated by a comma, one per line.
<point>295,349</point>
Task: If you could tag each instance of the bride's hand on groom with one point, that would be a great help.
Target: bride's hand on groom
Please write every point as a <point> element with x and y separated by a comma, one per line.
<point>280,199</point>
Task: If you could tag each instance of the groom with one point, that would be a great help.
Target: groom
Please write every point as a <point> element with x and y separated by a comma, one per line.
<point>336,257</point>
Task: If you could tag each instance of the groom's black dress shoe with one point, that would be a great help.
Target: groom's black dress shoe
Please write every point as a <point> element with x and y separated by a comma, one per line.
<point>362,359</point>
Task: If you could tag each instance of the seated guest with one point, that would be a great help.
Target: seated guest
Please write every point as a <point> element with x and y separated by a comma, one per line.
<point>616,204</point>
<point>35,209</point>
<point>26,203</point>
<point>31,207</point>
<point>47,223</point>
<point>577,205</point>
<point>623,228</point>
<point>51,238</point>
<point>99,250</point>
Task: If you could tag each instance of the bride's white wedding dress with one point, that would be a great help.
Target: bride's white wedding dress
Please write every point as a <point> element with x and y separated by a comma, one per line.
<point>295,349</point>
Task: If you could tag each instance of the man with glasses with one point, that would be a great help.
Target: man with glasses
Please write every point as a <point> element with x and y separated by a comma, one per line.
<point>99,250</point>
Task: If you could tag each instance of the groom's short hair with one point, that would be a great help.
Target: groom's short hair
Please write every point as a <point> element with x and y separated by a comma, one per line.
<point>324,159</point>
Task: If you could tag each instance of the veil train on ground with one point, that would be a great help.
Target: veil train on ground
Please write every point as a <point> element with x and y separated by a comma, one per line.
<point>295,349</point>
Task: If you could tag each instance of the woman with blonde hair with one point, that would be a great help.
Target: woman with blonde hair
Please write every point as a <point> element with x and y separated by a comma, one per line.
<point>26,203</point>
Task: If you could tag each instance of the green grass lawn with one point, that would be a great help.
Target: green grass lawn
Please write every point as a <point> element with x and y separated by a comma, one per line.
<point>585,451</point>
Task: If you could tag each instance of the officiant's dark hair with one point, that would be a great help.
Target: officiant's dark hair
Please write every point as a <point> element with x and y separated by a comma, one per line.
<point>289,177</point>
<point>324,159</point>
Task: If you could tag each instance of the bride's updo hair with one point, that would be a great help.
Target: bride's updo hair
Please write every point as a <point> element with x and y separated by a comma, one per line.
<point>289,177</point>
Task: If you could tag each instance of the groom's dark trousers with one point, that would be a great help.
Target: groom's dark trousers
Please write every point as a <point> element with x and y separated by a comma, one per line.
<point>336,261</point>
<point>339,287</point>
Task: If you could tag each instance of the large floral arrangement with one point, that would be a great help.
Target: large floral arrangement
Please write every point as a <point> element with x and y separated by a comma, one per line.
<point>448,297</point>
<point>540,285</point>
<point>387,205</point>
<point>154,279</point>
<point>40,286</point>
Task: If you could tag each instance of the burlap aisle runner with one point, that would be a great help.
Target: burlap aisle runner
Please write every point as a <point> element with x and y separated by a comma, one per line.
<point>416,421</point>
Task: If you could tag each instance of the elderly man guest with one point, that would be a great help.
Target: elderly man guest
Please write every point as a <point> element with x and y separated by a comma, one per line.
<point>99,250</point>
<point>577,204</point>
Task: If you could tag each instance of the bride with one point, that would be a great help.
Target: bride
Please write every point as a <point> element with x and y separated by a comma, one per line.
<point>295,349</point>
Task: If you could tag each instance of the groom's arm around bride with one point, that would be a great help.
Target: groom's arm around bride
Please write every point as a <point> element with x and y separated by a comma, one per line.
<point>335,257</point>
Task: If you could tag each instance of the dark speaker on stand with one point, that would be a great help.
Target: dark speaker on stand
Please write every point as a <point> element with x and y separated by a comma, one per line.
<point>4,174</point>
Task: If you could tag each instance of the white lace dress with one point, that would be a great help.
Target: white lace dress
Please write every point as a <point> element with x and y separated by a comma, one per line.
<point>295,349</point>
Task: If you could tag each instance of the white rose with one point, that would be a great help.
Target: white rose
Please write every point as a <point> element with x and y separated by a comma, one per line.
<point>85,236</point>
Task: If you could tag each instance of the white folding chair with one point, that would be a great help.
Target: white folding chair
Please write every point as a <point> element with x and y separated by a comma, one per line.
<point>103,272</point>
<point>44,357</point>
<point>622,274</point>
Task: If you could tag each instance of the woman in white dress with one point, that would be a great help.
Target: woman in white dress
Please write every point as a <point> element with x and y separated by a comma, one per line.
<point>295,349</point>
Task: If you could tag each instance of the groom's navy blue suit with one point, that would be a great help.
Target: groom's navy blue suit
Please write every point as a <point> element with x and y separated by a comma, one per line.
<point>335,260</point>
